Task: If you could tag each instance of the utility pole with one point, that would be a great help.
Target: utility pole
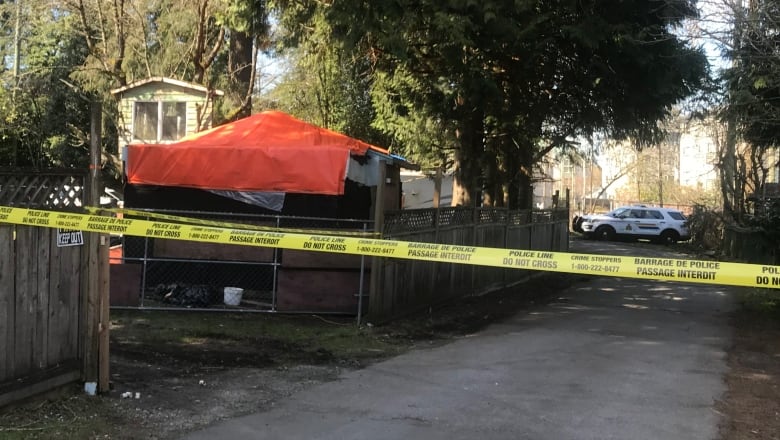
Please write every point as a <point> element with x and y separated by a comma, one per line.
<point>660,175</point>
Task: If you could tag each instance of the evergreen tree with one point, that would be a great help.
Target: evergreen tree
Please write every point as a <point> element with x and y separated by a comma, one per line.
<point>512,80</point>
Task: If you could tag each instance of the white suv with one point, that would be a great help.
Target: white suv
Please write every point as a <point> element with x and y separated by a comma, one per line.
<point>662,225</point>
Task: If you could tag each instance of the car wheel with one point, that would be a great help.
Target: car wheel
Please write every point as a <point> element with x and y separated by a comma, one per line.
<point>578,224</point>
<point>669,236</point>
<point>605,233</point>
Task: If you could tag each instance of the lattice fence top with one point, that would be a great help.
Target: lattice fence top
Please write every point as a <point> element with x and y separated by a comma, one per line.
<point>456,216</point>
<point>412,220</point>
<point>57,191</point>
<point>493,215</point>
<point>519,217</point>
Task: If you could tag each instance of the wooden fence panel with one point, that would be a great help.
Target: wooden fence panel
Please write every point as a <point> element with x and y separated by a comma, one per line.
<point>40,291</point>
<point>26,284</point>
<point>7,302</point>
<point>40,288</point>
<point>518,237</point>
<point>409,285</point>
<point>541,236</point>
<point>72,286</point>
<point>40,297</point>
<point>64,304</point>
<point>464,273</point>
<point>748,245</point>
<point>492,235</point>
<point>58,314</point>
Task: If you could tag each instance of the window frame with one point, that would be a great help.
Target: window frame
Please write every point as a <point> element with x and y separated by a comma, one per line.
<point>159,129</point>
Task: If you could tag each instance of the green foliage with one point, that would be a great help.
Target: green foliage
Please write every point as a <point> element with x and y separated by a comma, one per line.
<point>751,103</point>
<point>417,133</point>
<point>509,81</point>
<point>759,306</point>
<point>766,219</point>
<point>329,86</point>
<point>249,16</point>
<point>753,81</point>
<point>487,87</point>
<point>42,115</point>
<point>74,53</point>
<point>706,226</point>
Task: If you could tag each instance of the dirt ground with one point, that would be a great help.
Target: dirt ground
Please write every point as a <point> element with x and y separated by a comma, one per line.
<point>751,406</point>
<point>174,373</point>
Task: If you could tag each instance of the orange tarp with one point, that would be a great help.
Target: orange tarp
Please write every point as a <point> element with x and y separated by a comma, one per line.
<point>268,151</point>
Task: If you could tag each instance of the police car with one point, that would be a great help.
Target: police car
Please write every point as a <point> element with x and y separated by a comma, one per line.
<point>662,225</point>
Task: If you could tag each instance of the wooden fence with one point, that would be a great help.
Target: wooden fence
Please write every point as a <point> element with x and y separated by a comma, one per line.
<point>748,245</point>
<point>40,295</point>
<point>405,286</point>
<point>41,290</point>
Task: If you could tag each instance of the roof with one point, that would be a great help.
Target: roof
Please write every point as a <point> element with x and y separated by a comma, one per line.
<point>268,151</point>
<point>171,81</point>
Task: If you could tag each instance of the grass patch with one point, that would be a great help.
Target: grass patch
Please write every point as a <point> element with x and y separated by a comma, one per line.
<point>74,417</point>
<point>283,339</point>
<point>763,303</point>
<point>758,310</point>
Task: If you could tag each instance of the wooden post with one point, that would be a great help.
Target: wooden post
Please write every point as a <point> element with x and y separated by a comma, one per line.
<point>375,306</point>
<point>437,219</point>
<point>96,316</point>
<point>105,319</point>
<point>437,201</point>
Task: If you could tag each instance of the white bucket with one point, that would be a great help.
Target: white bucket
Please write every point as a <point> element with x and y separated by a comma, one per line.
<point>233,295</point>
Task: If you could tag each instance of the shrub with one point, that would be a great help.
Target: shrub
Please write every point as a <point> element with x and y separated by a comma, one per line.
<point>706,226</point>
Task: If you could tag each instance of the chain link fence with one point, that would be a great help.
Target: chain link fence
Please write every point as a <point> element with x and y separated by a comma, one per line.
<point>177,274</point>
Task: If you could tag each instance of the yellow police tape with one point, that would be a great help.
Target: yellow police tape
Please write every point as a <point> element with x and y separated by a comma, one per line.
<point>671,269</point>
<point>223,224</point>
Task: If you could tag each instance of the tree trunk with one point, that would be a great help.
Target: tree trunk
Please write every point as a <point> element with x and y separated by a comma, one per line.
<point>465,185</point>
<point>460,187</point>
<point>240,67</point>
<point>519,160</point>
<point>728,172</point>
<point>492,177</point>
<point>525,190</point>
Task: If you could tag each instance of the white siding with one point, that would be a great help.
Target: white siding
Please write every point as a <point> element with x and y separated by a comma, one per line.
<point>158,91</point>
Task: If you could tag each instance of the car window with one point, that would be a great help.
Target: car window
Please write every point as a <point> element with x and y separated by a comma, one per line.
<point>676,215</point>
<point>618,212</point>
<point>637,213</point>
<point>655,214</point>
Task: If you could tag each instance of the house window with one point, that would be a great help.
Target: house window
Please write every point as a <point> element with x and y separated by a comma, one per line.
<point>159,121</point>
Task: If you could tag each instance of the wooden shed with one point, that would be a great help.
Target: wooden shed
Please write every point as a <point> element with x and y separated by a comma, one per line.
<point>161,110</point>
